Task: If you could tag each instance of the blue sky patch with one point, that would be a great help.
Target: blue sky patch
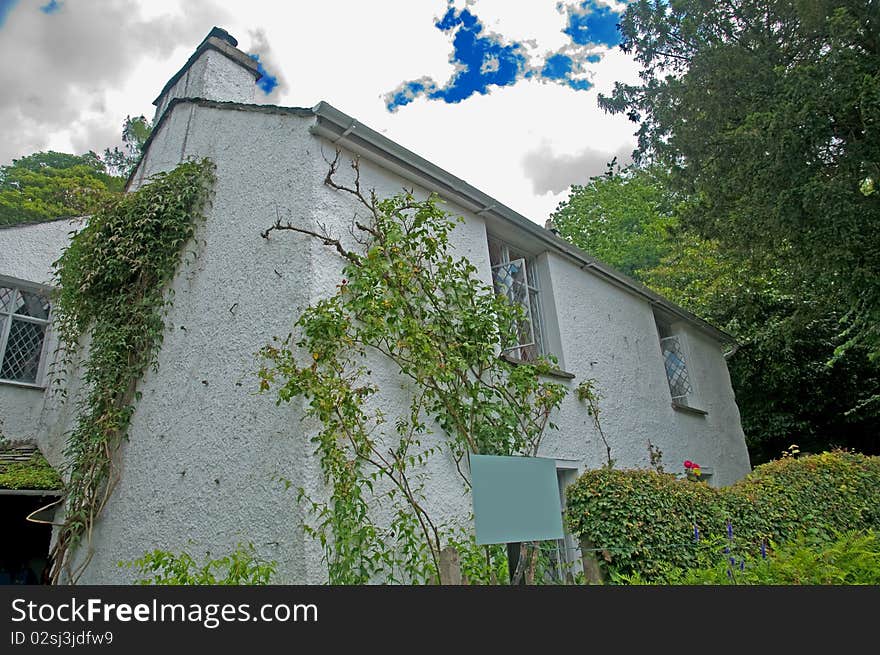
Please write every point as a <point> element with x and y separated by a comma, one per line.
<point>407,92</point>
<point>592,23</point>
<point>267,82</point>
<point>5,7</point>
<point>484,60</point>
<point>557,67</point>
<point>51,7</point>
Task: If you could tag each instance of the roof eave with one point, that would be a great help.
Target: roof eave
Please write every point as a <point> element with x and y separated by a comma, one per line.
<point>343,129</point>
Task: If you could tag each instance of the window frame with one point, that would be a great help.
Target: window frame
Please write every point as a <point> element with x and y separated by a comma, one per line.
<point>534,309</point>
<point>569,558</point>
<point>7,317</point>
<point>685,380</point>
<point>669,330</point>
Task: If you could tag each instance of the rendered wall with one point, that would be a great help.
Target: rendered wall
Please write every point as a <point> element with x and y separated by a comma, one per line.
<point>28,253</point>
<point>610,335</point>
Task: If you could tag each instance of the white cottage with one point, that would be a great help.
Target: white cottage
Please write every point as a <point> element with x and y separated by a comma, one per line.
<point>206,451</point>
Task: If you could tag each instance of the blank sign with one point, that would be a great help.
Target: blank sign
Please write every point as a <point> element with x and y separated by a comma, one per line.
<point>515,499</point>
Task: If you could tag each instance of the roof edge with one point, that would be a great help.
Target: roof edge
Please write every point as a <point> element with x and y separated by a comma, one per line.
<point>347,127</point>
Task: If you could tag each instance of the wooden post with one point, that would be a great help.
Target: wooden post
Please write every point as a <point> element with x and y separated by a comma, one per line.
<point>450,567</point>
<point>592,570</point>
<point>514,553</point>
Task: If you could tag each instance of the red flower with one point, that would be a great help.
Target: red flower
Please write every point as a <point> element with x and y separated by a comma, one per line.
<point>688,464</point>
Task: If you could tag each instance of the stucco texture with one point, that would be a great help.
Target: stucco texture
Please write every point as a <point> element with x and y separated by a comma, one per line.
<point>28,254</point>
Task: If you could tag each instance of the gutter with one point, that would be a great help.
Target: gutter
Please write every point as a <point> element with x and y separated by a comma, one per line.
<point>341,129</point>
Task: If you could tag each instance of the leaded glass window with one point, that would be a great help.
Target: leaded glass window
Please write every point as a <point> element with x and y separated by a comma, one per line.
<point>514,276</point>
<point>24,319</point>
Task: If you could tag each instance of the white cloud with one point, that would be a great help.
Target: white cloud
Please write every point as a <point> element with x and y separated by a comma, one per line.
<point>70,84</point>
<point>553,173</point>
<point>56,69</point>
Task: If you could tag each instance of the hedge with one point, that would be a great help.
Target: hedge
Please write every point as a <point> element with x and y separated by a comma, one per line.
<point>648,523</point>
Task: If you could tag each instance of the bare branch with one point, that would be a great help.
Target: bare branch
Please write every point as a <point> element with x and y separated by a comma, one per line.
<point>356,191</point>
<point>325,238</point>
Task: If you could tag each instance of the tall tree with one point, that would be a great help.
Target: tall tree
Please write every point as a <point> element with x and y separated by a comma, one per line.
<point>767,112</point>
<point>135,132</point>
<point>622,217</point>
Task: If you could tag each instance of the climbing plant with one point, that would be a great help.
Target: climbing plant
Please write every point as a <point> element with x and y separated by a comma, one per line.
<point>112,280</point>
<point>588,393</point>
<point>405,298</point>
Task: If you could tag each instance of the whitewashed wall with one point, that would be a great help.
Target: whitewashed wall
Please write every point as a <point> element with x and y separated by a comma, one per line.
<point>26,254</point>
<point>610,335</point>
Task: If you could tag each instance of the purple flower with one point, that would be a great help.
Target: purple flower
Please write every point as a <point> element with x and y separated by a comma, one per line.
<point>696,533</point>
<point>733,561</point>
<point>729,530</point>
<point>763,549</point>
<point>742,565</point>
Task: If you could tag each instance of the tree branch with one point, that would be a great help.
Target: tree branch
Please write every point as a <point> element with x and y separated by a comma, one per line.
<point>326,239</point>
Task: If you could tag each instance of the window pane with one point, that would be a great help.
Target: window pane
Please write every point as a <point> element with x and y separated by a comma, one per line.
<point>31,304</point>
<point>496,252</point>
<point>537,327</point>
<point>22,357</point>
<point>512,254</point>
<point>6,295</point>
<point>510,281</point>
<point>676,368</point>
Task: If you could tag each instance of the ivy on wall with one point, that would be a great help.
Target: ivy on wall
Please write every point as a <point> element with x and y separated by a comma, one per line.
<point>112,280</point>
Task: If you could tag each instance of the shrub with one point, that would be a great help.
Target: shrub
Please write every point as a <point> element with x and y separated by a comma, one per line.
<point>643,522</point>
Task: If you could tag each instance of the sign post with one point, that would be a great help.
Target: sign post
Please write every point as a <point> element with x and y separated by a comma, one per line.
<point>516,499</point>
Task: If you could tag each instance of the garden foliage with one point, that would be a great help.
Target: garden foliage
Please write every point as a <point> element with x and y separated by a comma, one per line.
<point>648,523</point>
<point>112,282</point>
<point>242,566</point>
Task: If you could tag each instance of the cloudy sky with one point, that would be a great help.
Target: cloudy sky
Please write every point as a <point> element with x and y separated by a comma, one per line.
<point>502,94</point>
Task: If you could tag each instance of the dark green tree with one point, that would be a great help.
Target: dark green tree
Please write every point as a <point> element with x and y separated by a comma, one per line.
<point>767,113</point>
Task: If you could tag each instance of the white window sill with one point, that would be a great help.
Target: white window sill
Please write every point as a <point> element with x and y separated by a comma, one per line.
<point>554,372</point>
<point>24,385</point>
<point>689,410</point>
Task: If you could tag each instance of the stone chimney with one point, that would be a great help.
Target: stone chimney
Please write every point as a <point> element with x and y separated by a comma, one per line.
<point>217,70</point>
